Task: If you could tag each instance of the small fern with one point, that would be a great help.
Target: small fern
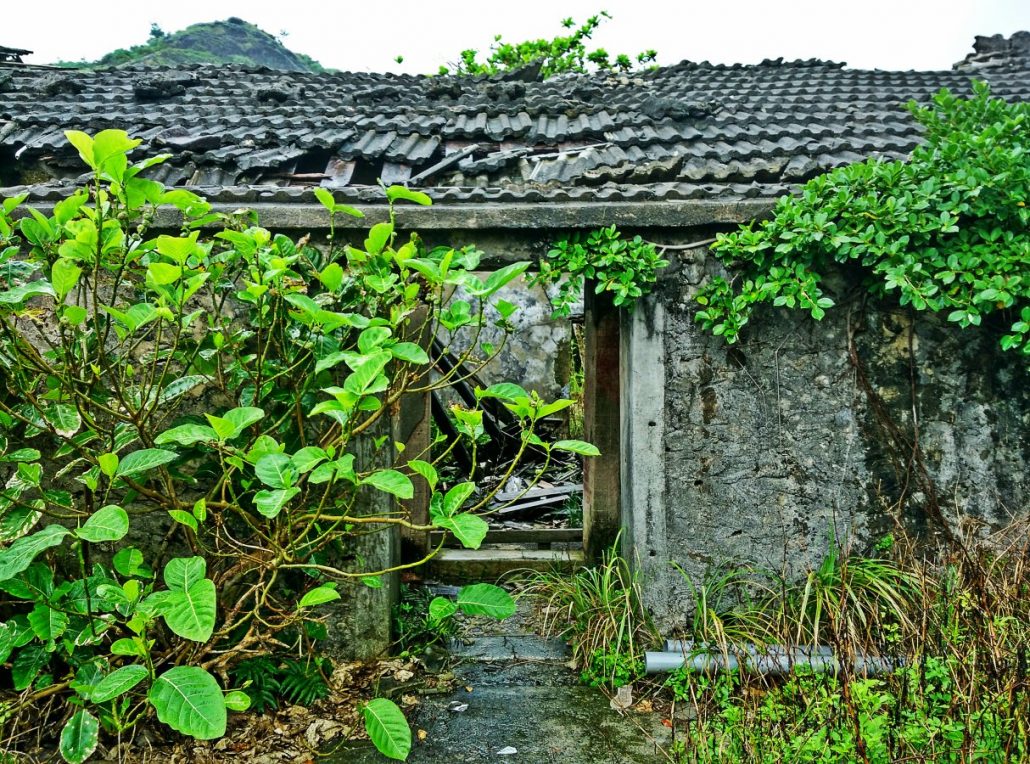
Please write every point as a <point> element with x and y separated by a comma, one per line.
<point>259,678</point>
<point>302,682</point>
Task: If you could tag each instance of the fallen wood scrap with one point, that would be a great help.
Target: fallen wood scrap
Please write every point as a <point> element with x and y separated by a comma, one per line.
<point>533,501</point>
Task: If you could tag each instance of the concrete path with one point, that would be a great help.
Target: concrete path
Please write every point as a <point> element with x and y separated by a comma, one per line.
<point>525,705</point>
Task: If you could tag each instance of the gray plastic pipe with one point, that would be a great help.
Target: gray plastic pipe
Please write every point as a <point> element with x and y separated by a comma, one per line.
<point>768,660</point>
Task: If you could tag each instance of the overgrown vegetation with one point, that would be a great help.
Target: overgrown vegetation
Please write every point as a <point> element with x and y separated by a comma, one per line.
<point>563,54</point>
<point>194,437</point>
<point>599,612</point>
<point>625,269</point>
<point>957,631</point>
<point>904,655</point>
<point>946,231</point>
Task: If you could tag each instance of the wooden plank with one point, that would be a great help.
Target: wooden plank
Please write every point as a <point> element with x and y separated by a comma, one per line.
<point>411,426</point>
<point>491,564</point>
<point>535,493</point>
<point>520,536</point>
<point>601,423</point>
<point>521,507</point>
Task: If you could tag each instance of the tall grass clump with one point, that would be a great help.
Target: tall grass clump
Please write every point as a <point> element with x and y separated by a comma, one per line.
<point>599,611</point>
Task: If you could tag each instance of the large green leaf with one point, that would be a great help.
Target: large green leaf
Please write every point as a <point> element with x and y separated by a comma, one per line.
<point>410,352</point>
<point>182,572</point>
<point>109,523</point>
<point>426,470</point>
<point>378,237</point>
<point>19,555</point>
<point>506,391</point>
<point>118,682</point>
<point>486,599</point>
<point>392,482</point>
<point>440,609</point>
<point>332,277</point>
<point>189,700</point>
<point>109,152</point>
<point>306,459</point>
<point>64,418</point>
<point>64,276</point>
<point>186,435</point>
<point>367,372</point>
<point>271,503</point>
<point>577,447</point>
<point>144,460</point>
<point>373,338</point>
<point>25,291</point>
<point>190,605</point>
<point>387,728</point>
<point>8,632</point>
<point>319,596</point>
<point>503,276</point>
<point>179,386</point>
<point>243,417</point>
<point>21,455</point>
<point>79,737</point>
<point>457,496</point>
<point>275,470</point>
<point>469,529</point>
<point>191,612</point>
<point>27,665</point>
<point>84,143</point>
<point>47,623</point>
<point>393,193</point>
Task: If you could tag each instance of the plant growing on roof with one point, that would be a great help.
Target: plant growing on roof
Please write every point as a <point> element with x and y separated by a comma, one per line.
<point>564,54</point>
<point>945,231</point>
<point>627,269</point>
<point>229,393</point>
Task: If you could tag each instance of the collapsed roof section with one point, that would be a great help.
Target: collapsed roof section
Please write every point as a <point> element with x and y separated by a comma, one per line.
<point>689,131</point>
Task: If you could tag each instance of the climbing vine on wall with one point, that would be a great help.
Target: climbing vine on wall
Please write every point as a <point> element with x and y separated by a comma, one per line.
<point>945,231</point>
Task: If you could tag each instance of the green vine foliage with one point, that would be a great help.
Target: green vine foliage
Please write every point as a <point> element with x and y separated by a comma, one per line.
<point>945,231</point>
<point>564,54</point>
<point>229,394</point>
<point>625,268</point>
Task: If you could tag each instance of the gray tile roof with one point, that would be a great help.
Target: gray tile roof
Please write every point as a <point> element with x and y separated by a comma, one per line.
<point>689,131</point>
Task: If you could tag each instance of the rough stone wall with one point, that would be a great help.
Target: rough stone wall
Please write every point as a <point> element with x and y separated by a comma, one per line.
<point>803,432</point>
<point>537,354</point>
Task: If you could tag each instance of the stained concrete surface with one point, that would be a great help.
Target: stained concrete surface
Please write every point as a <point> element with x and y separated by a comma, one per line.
<point>524,697</point>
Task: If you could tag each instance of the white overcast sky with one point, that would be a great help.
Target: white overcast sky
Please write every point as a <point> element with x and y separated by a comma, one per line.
<point>368,35</point>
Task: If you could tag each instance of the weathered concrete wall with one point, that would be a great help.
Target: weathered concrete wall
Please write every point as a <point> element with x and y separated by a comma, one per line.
<point>804,431</point>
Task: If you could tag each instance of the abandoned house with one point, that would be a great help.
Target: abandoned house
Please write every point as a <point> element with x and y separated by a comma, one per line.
<point>760,451</point>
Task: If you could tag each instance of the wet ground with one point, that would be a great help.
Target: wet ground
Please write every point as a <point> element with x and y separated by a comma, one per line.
<point>517,700</point>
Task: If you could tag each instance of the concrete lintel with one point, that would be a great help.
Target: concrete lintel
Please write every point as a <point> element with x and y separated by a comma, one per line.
<point>642,371</point>
<point>310,216</point>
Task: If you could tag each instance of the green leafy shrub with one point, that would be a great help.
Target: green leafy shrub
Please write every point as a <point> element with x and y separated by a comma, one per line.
<point>945,230</point>
<point>564,54</point>
<point>611,669</point>
<point>229,394</point>
<point>626,269</point>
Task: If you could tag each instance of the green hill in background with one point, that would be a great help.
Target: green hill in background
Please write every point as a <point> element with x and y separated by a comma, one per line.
<point>233,41</point>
